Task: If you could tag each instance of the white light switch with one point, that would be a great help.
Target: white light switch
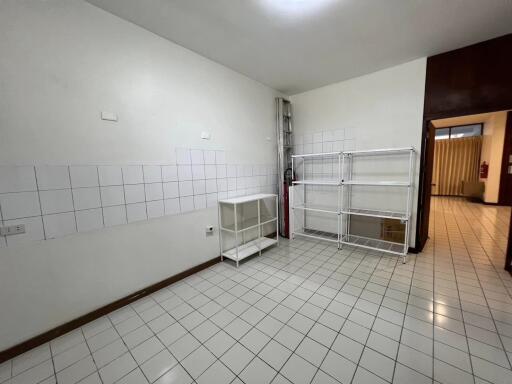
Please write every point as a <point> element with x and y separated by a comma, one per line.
<point>109,116</point>
<point>206,135</point>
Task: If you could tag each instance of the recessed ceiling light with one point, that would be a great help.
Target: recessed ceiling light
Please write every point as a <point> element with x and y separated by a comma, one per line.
<point>295,8</point>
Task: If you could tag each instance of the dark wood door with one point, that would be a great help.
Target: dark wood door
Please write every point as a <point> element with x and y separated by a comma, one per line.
<point>508,262</point>
<point>505,197</point>
<point>426,191</point>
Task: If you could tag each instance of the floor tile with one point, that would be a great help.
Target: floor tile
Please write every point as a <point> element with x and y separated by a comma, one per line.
<point>312,351</point>
<point>198,361</point>
<point>257,372</point>
<point>298,370</point>
<point>218,373</point>
<point>338,367</point>
<point>157,365</point>
<point>275,354</point>
<point>237,358</point>
<point>117,369</point>
<point>77,371</point>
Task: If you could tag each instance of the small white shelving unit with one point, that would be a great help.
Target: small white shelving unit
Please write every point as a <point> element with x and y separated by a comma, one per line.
<point>243,220</point>
<point>342,184</point>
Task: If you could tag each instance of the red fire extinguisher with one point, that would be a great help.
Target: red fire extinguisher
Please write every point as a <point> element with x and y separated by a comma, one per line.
<point>484,170</point>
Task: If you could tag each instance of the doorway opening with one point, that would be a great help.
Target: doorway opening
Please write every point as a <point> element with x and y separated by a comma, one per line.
<point>468,172</point>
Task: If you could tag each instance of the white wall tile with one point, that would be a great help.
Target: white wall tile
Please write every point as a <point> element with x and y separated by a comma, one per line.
<point>86,198</point>
<point>221,171</point>
<point>136,212</point>
<point>134,193</point>
<point>339,135</point>
<point>211,185</point>
<point>211,200</point>
<point>154,191</point>
<point>169,173</point>
<point>53,177</point>
<point>132,174</point>
<point>3,242</point>
<point>186,188</point>
<point>231,170</point>
<point>327,136</point>
<point>155,208</point>
<point>184,172</point>
<point>115,215</point>
<point>18,205</point>
<point>222,195</point>
<point>197,156</point>
<point>318,137</point>
<point>89,220</point>
<point>199,201</point>
<point>231,183</point>
<point>222,185</point>
<point>33,230</point>
<point>209,157</point>
<point>220,157</point>
<point>307,138</point>
<point>113,195</point>
<point>197,172</point>
<point>187,203</point>
<point>172,206</point>
<point>110,175</point>
<point>199,187</point>
<point>240,170</point>
<point>210,171</point>
<point>183,156</point>
<point>59,225</point>
<point>171,190</point>
<point>83,176</point>
<point>17,179</point>
<point>152,173</point>
<point>56,201</point>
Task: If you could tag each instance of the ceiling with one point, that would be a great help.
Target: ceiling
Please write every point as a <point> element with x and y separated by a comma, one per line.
<point>298,45</point>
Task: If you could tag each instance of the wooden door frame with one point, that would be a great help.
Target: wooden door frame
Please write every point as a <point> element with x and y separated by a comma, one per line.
<point>504,160</point>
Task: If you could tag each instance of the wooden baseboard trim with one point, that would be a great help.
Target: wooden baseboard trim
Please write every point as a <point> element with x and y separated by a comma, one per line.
<point>96,314</point>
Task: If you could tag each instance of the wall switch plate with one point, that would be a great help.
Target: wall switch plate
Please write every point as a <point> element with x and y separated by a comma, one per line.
<point>209,229</point>
<point>109,116</point>
<point>12,230</point>
<point>206,135</point>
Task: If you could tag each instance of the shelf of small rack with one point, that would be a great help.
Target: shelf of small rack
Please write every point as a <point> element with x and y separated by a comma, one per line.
<point>402,216</point>
<point>317,208</point>
<point>374,244</point>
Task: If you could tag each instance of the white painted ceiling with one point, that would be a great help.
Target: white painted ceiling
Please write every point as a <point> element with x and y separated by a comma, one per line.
<point>298,45</point>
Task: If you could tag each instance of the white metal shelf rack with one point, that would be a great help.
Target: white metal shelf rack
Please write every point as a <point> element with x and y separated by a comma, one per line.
<point>239,226</point>
<point>344,182</point>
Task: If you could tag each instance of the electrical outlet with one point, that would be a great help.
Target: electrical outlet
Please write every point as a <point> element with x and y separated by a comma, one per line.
<point>209,229</point>
<point>12,230</point>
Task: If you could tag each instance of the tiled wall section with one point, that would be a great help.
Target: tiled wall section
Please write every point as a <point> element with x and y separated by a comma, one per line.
<point>54,201</point>
<point>319,142</point>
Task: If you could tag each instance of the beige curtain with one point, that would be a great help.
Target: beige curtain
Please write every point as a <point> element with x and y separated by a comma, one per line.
<point>455,161</point>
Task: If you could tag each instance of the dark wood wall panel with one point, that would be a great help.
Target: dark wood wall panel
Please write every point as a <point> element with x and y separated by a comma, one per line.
<point>473,79</point>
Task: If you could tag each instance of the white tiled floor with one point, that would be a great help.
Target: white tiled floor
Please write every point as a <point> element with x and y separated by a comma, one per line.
<point>307,313</point>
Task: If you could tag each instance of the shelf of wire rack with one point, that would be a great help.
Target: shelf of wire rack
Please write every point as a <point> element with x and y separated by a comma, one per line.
<point>342,183</point>
<point>311,184</point>
<point>245,219</point>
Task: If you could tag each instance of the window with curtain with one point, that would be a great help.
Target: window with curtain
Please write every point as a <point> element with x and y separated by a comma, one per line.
<point>456,160</point>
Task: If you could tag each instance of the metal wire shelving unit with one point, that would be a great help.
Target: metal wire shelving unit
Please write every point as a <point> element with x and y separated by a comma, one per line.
<point>343,184</point>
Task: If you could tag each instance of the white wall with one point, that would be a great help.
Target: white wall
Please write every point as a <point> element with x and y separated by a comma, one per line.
<point>379,110</point>
<point>62,63</point>
<point>492,153</point>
